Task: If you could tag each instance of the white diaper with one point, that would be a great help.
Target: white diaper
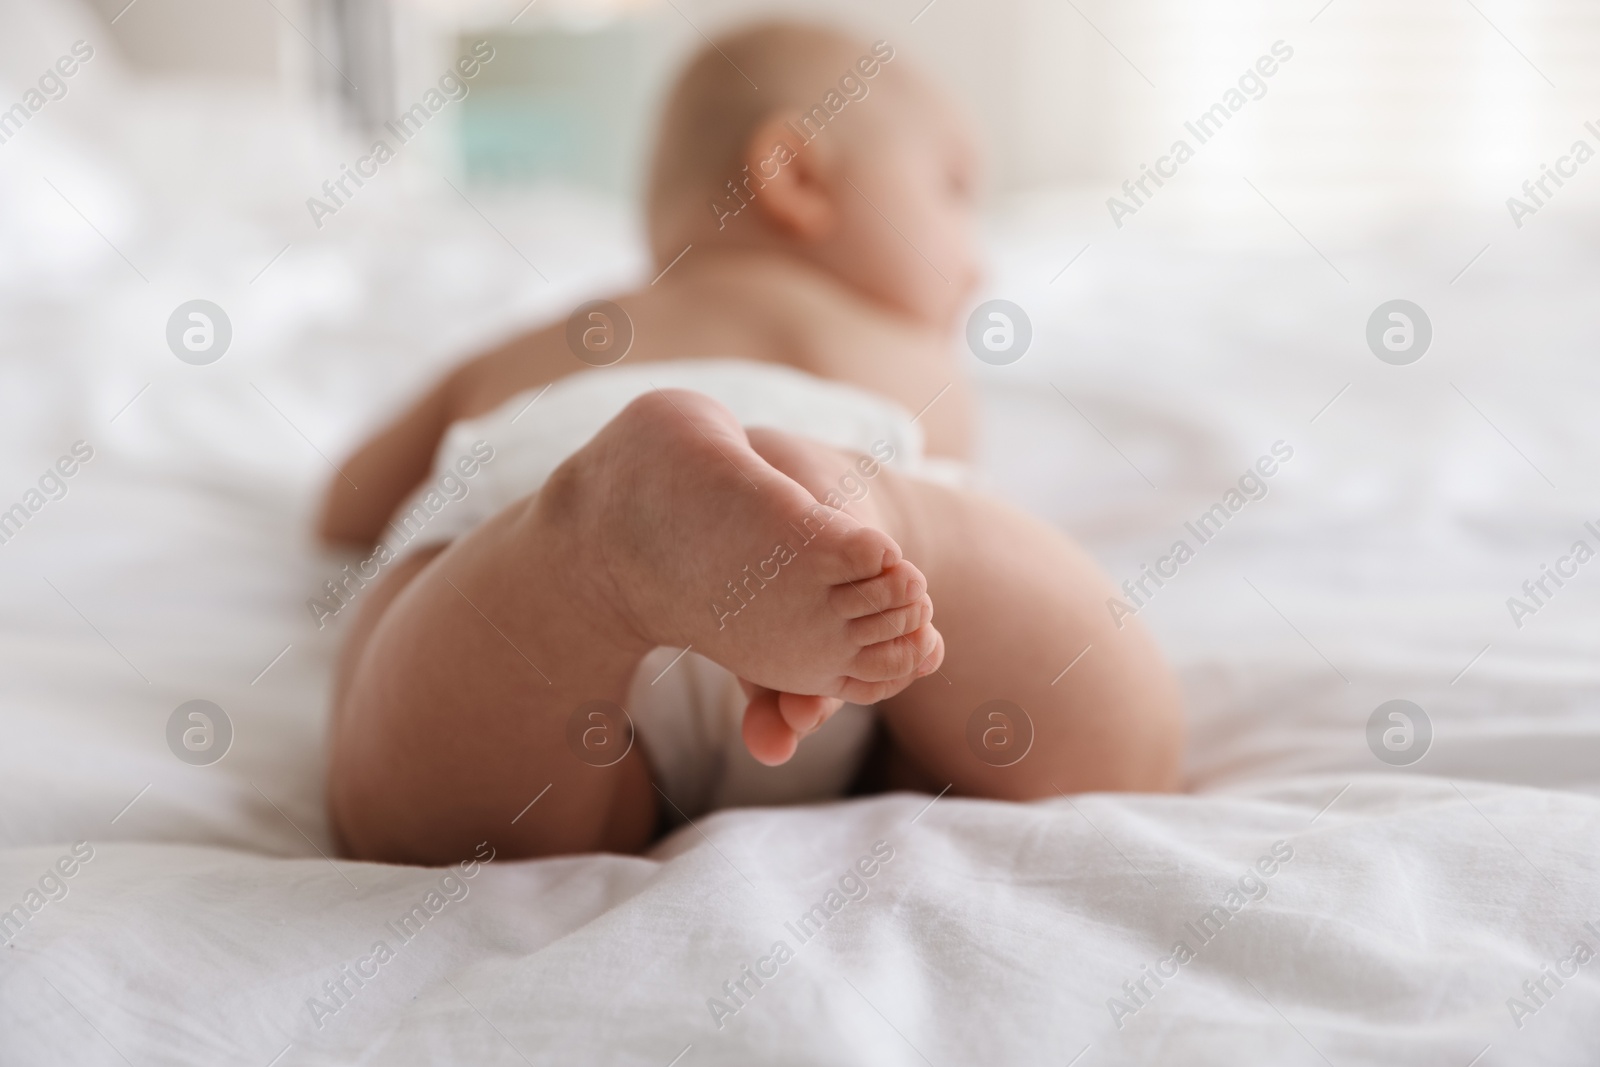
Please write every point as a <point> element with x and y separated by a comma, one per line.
<point>689,722</point>
<point>687,719</point>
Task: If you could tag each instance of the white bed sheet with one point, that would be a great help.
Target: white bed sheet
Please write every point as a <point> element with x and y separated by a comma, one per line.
<point>177,567</point>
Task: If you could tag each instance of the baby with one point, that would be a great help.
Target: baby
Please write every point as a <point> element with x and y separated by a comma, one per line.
<point>764,479</point>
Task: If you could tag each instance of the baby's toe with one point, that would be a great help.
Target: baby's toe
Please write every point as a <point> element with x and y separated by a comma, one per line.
<point>861,553</point>
<point>768,737</point>
<point>894,587</point>
<point>900,657</point>
<point>891,623</point>
<point>858,692</point>
<point>805,714</point>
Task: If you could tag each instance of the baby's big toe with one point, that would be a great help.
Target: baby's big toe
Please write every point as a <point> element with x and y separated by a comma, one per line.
<point>770,739</point>
<point>805,714</point>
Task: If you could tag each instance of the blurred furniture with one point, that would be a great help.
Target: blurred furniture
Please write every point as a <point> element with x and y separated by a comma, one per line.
<point>569,93</point>
<point>358,38</point>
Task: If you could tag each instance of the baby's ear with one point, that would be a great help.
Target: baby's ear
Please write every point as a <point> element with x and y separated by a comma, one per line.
<point>792,181</point>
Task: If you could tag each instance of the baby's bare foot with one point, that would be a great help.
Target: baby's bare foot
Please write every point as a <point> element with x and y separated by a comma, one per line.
<point>702,543</point>
<point>776,723</point>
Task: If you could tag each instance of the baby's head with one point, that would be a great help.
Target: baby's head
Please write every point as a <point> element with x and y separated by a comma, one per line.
<point>802,140</point>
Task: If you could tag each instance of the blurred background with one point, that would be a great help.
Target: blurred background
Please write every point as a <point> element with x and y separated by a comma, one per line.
<point>1437,98</point>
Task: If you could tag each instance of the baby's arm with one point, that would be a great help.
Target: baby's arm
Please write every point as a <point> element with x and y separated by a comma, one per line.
<point>376,480</point>
<point>370,485</point>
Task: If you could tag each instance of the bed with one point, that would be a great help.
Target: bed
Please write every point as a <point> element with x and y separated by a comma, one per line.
<point>1331,906</point>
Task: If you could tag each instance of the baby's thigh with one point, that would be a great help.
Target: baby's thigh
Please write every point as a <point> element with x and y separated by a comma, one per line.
<point>447,733</point>
<point>374,601</point>
<point>1040,689</point>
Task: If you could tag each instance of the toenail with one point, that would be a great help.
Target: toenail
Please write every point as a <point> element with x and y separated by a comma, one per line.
<point>913,590</point>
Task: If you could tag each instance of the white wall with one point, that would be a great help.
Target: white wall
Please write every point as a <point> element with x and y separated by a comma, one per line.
<point>1378,92</point>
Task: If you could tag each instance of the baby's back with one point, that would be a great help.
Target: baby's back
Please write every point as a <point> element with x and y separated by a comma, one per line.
<point>768,309</point>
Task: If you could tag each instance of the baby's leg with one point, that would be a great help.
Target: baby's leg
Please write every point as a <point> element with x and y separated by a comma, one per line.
<point>1016,602</point>
<point>455,703</point>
